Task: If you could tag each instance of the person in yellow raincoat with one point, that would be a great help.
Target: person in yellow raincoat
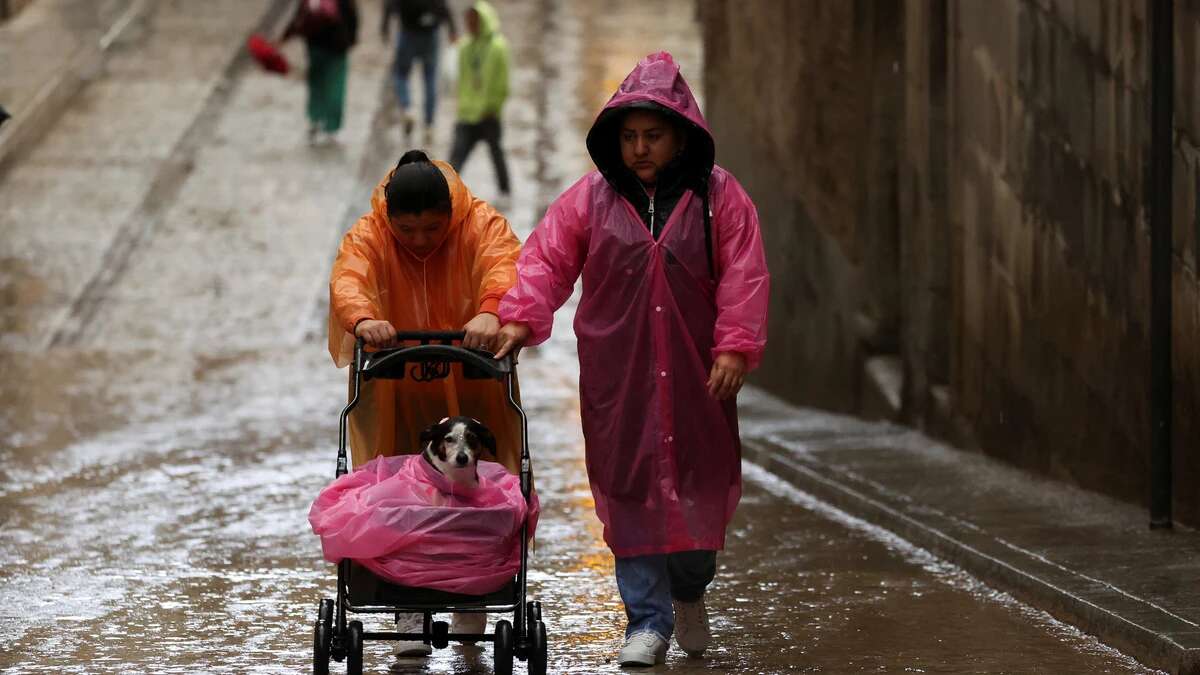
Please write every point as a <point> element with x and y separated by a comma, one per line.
<point>429,256</point>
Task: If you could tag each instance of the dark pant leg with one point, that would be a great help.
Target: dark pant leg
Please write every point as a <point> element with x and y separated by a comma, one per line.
<point>429,64</point>
<point>691,573</point>
<point>335,90</point>
<point>491,134</point>
<point>315,78</point>
<point>465,138</point>
<point>326,87</point>
<point>406,52</point>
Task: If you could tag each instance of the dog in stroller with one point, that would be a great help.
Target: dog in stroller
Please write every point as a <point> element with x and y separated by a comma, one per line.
<point>387,581</point>
<point>454,447</point>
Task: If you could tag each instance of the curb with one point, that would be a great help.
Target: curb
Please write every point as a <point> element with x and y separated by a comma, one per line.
<point>1114,617</point>
<point>31,122</point>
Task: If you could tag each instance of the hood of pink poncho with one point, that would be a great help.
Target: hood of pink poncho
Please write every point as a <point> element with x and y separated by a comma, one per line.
<point>655,84</point>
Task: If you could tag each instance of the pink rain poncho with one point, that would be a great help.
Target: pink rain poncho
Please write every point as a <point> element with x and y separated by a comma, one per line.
<point>400,518</point>
<point>663,456</point>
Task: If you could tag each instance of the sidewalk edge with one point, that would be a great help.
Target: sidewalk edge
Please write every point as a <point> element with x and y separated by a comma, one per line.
<point>1008,573</point>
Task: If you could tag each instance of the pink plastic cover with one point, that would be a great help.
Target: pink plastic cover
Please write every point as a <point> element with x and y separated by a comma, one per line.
<point>401,518</point>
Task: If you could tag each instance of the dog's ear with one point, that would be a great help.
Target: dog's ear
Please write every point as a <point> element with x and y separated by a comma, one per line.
<point>485,437</point>
<point>430,434</point>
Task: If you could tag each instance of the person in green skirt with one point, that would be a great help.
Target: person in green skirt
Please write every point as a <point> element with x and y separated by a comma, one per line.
<point>330,29</point>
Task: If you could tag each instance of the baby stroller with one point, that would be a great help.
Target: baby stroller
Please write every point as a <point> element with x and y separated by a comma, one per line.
<point>361,591</point>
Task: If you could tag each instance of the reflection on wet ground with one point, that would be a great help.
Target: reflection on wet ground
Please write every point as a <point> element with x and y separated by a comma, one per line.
<point>153,501</point>
<point>194,533</point>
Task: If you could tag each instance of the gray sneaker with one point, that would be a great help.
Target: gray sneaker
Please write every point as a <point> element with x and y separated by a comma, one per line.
<point>411,623</point>
<point>644,648</point>
<point>691,627</point>
<point>469,623</point>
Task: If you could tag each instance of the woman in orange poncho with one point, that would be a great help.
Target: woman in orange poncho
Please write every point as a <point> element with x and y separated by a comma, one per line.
<point>429,256</point>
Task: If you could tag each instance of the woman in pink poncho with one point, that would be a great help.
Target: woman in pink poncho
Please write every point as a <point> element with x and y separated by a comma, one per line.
<point>673,315</point>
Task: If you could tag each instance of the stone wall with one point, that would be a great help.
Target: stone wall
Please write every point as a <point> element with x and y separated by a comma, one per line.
<point>1186,334</point>
<point>808,166</point>
<point>955,187</point>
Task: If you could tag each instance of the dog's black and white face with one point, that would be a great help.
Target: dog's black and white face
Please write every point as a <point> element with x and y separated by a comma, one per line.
<point>455,445</point>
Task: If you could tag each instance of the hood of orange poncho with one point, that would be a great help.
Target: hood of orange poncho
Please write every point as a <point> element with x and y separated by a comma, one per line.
<point>471,266</point>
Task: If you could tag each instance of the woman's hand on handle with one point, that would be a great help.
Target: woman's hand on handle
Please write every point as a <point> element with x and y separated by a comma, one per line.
<point>481,331</point>
<point>511,337</point>
<point>727,375</point>
<point>376,333</point>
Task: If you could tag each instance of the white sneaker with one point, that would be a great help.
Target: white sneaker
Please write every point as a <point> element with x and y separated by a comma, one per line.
<point>644,648</point>
<point>691,627</point>
<point>411,623</point>
<point>473,622</point>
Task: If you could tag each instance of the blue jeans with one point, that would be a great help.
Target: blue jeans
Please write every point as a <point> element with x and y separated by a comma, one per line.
<point>417,46</point>
<point>648,583</point>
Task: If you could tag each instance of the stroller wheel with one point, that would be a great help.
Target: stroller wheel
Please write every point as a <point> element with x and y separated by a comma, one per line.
<point>537,648</point>
<point>354,648</point>
<point>502,658</point>
<point>533,610</point>
<point>321,638</point>
<point>438,638</point>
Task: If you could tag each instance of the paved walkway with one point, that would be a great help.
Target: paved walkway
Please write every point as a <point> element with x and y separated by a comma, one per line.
<point>57,45</point>
<point>1088,560</point>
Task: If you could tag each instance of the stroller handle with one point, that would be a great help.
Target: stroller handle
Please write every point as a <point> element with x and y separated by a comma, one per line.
<point>392,362</point>
<point>430,335</point>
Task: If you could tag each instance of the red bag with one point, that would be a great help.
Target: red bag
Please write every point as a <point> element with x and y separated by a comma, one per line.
<point>267,54</point>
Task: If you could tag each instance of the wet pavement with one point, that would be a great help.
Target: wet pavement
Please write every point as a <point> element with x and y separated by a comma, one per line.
<point>1090,560</point>
<point>169,410</point>
<point>59,45</point>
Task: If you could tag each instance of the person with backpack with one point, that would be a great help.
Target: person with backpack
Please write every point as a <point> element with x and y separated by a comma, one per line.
<point>330,30</point>
<point>418,41</point>
<point>673,316</point>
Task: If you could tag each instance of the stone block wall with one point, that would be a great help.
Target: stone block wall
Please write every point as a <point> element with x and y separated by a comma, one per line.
<point>960,183</point>
<point>809,167</point>
<point>1050,125</point>
<point>1186,307</point>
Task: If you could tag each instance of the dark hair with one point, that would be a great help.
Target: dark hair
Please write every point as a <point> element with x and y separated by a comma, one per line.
<point>416,185</point>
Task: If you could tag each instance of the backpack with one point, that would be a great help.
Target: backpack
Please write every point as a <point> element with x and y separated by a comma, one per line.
<point>315,15</point>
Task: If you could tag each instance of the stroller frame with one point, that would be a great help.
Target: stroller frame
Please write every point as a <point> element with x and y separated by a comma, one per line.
<point>336,638</point>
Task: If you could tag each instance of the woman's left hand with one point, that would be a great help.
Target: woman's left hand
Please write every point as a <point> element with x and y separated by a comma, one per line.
<point>727,375</point>
<point>481,331</point>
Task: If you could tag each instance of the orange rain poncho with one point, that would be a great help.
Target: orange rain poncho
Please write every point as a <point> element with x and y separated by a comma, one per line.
<point>376,277</point>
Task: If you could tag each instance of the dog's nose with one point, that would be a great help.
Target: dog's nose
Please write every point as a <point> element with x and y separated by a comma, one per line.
<point>461,459</point>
